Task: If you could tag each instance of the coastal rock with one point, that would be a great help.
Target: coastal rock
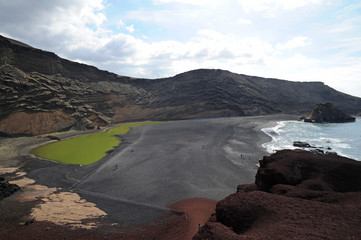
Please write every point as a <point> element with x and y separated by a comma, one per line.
<point>326,112</point>
<point>314,149</point>
<point>317,151</point>
<point>6,189</point>
<point>311,171</point>
<point>301,144</point>
<point>296,195</point>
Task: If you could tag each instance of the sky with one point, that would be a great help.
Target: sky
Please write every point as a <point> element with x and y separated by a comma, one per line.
<point>303,40</point>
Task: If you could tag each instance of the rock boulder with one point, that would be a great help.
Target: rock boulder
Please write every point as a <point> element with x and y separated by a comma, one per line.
<point>326,112</point>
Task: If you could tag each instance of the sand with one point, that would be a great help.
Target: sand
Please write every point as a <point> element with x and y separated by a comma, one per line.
<point>66,208</point>
<point>52,204</point>
<point>198,211</point>
<point>159,167</point>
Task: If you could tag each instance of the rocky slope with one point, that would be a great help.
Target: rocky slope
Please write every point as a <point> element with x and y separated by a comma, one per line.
<point>326,112</point>
<point>41,93</point>
<point>296,195</point>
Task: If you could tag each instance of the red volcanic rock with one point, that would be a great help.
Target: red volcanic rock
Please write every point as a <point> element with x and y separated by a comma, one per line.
<point>297,195</point>
<point>216,230</point>
<point>311,171</point>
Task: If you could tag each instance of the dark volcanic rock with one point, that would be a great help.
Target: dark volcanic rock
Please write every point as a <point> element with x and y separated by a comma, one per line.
<point>37,82</point>
<point>326,112</point>
<point>6,189</point>
<point>301,144</point>
<point>52,137</point>
<point>297,195</point>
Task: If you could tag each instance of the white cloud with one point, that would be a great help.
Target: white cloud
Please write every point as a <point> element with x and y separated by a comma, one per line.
<point>55,25</point>
<point>210,33</point>
<point>190,2</point>
<point>120,23</point>
<point>347,25</point>
<point>244,21</point>
<point>299,41</point>
<point>343,78</point>
<point>298,67</point>
<point>198,35</point>
<point>127,55</point>
<point>262,5</point>
<point>130,28</point>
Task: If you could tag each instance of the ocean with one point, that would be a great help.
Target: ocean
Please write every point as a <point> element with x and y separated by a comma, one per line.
<point>342,138</point>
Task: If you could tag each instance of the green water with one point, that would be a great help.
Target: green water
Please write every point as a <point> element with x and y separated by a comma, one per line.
<point>85,149</point>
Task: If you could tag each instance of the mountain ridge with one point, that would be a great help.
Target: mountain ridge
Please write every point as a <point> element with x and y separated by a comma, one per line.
<point>34,81</point>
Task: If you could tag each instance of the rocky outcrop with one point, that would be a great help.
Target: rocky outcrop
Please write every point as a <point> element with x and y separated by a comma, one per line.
<point>35,81</point>
<point>309,171</point>
<point>301,144</point>
<point>296,195</point>
<point>326,112</point>
<point>6,189</point>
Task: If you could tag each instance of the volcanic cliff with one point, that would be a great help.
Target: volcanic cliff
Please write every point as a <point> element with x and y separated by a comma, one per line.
<point>41,93</point>
<point>296,195</point>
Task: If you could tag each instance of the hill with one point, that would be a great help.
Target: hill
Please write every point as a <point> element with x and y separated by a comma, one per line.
<point>41,93</point>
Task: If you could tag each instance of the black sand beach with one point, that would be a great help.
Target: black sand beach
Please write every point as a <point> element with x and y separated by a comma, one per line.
<point>159,165</point>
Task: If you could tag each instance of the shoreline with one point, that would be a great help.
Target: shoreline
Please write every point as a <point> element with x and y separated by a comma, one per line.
<point>327,137</point>
<point>250,139</point>
<point>63,136</point>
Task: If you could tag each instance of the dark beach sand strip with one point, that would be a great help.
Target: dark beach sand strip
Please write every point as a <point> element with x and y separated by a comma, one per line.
<point>178,160</point>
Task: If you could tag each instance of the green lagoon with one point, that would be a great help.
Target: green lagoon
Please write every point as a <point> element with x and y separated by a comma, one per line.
<point>85,149</point>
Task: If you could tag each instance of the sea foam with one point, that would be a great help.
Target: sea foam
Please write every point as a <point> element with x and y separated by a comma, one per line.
<point>342,138</point>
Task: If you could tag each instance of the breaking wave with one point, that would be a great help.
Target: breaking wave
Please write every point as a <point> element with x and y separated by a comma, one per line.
<point>342,138</point>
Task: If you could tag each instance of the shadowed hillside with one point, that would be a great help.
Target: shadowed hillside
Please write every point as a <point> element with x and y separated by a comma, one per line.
<point>41,93</point>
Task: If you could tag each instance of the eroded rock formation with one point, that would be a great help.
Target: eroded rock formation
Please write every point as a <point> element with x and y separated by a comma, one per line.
<point>326,112</point>
<point>296,195</point>
<point>36,123</point>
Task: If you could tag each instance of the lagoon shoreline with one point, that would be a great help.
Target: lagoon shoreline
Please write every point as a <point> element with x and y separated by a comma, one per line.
<point>248,141</point>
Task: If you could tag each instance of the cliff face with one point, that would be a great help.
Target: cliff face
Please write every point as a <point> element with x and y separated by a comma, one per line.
<point>34,81</point>
<point>296,195</point>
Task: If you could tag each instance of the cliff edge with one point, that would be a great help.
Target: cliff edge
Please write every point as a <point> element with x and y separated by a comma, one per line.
<point>296,195</point>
